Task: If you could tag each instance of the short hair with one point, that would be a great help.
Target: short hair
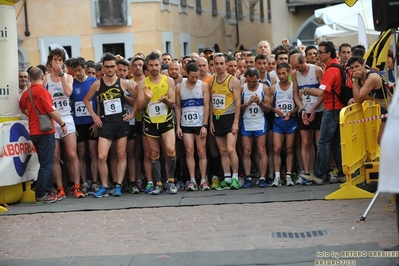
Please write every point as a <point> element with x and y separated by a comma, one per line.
<point>236,52</point>
<point>108,57</point>
<point>329,47</point>
<point>137,59</point>
<point>35,73</point>
<point>310,47</point>
<point>192,68</point>
<point>166,54</point>
<point>69,61</point>
<point>354,59</point>
<point>153,56</point>
<point>280,48</point>
<point>98,67</point>
<point>301,58</point>
<point>250,54</point>
<point>185,57</point>
<point>210,58</point>
<point>358,52</point>
<point>56,51</point>
<point>192,61</point>
<point>90,64</point>
<point>43,68</point>
<point>293,51</point>
<point>279,53</point>
<point>252,72</point>
<point>220,55</point>
<point>345,44</point>
<point>359,46</point>
<point>123,62</point>
<point>284,65</point>
<point>260,57</point>
<point>231,58</point>
<point>80,61</point>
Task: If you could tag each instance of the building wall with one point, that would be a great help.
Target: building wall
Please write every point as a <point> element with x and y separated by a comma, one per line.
<point>72,23</point>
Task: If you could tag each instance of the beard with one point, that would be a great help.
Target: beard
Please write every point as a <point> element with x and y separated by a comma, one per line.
<point>110,74</point>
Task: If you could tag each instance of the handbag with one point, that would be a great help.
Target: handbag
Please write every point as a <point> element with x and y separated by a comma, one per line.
<point>45,121</point>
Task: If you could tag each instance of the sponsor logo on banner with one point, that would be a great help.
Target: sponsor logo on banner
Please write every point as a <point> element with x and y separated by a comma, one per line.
<point>5,93</point>
<point>20,148</point>
<point>3,34</point>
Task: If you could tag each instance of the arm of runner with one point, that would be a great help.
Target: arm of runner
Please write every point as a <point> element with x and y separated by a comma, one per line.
<point>360,94</point>
<point>90,94</point>
<point>235,87</point>
<point>205,93</point>
<point>179,132</point>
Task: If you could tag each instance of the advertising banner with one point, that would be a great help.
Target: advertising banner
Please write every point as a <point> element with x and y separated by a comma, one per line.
<point>9,92</point>
<point>18,158</point>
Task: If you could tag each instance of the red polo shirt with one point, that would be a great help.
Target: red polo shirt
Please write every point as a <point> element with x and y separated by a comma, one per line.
<point>332,79</point>
<point>44,104</point>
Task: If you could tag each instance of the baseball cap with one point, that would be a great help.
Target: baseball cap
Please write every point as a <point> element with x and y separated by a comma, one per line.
<point>209,48</point>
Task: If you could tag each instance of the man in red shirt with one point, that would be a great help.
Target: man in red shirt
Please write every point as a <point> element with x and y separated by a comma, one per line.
<point>44,142</point>
<point>329,130</point>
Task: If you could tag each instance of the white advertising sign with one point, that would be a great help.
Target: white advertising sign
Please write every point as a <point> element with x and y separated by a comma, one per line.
<point>9,92</point>
<point>18,158</point>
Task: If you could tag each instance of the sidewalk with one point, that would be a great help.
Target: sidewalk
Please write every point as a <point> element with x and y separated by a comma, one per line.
<point>227,233</point>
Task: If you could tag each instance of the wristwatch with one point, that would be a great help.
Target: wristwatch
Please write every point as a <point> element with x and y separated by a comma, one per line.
<point>205,126</point>
<point>61,74</point>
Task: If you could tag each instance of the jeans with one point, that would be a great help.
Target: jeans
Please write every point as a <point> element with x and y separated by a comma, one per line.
<point>329,139</point>
<point>44,145</point>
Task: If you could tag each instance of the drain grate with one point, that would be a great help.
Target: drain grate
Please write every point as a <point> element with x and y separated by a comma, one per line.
<point>306,234</point>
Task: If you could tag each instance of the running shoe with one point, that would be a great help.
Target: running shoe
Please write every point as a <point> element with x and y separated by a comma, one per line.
<point>204,186</point>
<point>102,192</point>
<point>171,187</point>
<point>248,183</point>
<point>223,185</point>
<point>118,191</point>
<point>289,182</point>
<point>262,183</point>
<point>234,184</point>
<point>77,192</point>
<point>191,186</point>
<point>149,188</point>
<point>215,183</point>
<point>156,191</point>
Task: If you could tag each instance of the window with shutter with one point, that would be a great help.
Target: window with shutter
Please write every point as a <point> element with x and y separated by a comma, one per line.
<point>111,13</point>
<point>228,9</point>
<point>214,8</point>
<point>198,6</point>
<point>262,12</point>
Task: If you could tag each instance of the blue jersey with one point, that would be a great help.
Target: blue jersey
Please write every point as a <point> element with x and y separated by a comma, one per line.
<point>81,115</point>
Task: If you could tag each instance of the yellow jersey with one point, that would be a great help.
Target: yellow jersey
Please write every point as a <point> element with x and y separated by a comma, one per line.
<point>222,97</point>
<point>157,112</point>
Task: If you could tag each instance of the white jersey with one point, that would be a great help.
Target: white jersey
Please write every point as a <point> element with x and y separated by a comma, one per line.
<point>60,100</point>
<point>284,99</point>
<point>192,105</point>
<point>309,81</point>
<point>253,115</point>
<point>274,74</point>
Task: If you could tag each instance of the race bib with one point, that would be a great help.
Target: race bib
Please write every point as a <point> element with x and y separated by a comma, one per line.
<point>309,99</point>
<point>157,109</point>
<point>81,110</point>
<point>60,102</point>
<point>253,111</point>
<point>285,106</point>
<point>190,116</point>
<point>218,101</point>
<point>112,107</point>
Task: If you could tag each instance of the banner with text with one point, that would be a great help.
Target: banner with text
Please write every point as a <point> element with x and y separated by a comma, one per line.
<point>9,92</point>
<point>18,158</point>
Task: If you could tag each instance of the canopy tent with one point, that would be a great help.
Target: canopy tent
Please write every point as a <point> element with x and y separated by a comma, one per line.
<point>342,20</point>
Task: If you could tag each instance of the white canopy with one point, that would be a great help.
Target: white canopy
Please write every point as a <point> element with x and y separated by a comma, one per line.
<point>342,20</point>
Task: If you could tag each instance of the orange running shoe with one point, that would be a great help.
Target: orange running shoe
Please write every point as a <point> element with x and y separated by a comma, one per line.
<point>77,191</point>
<point>60,193</point>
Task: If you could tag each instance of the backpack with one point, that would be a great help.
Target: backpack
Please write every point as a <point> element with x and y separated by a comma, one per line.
<point>346,92</point>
